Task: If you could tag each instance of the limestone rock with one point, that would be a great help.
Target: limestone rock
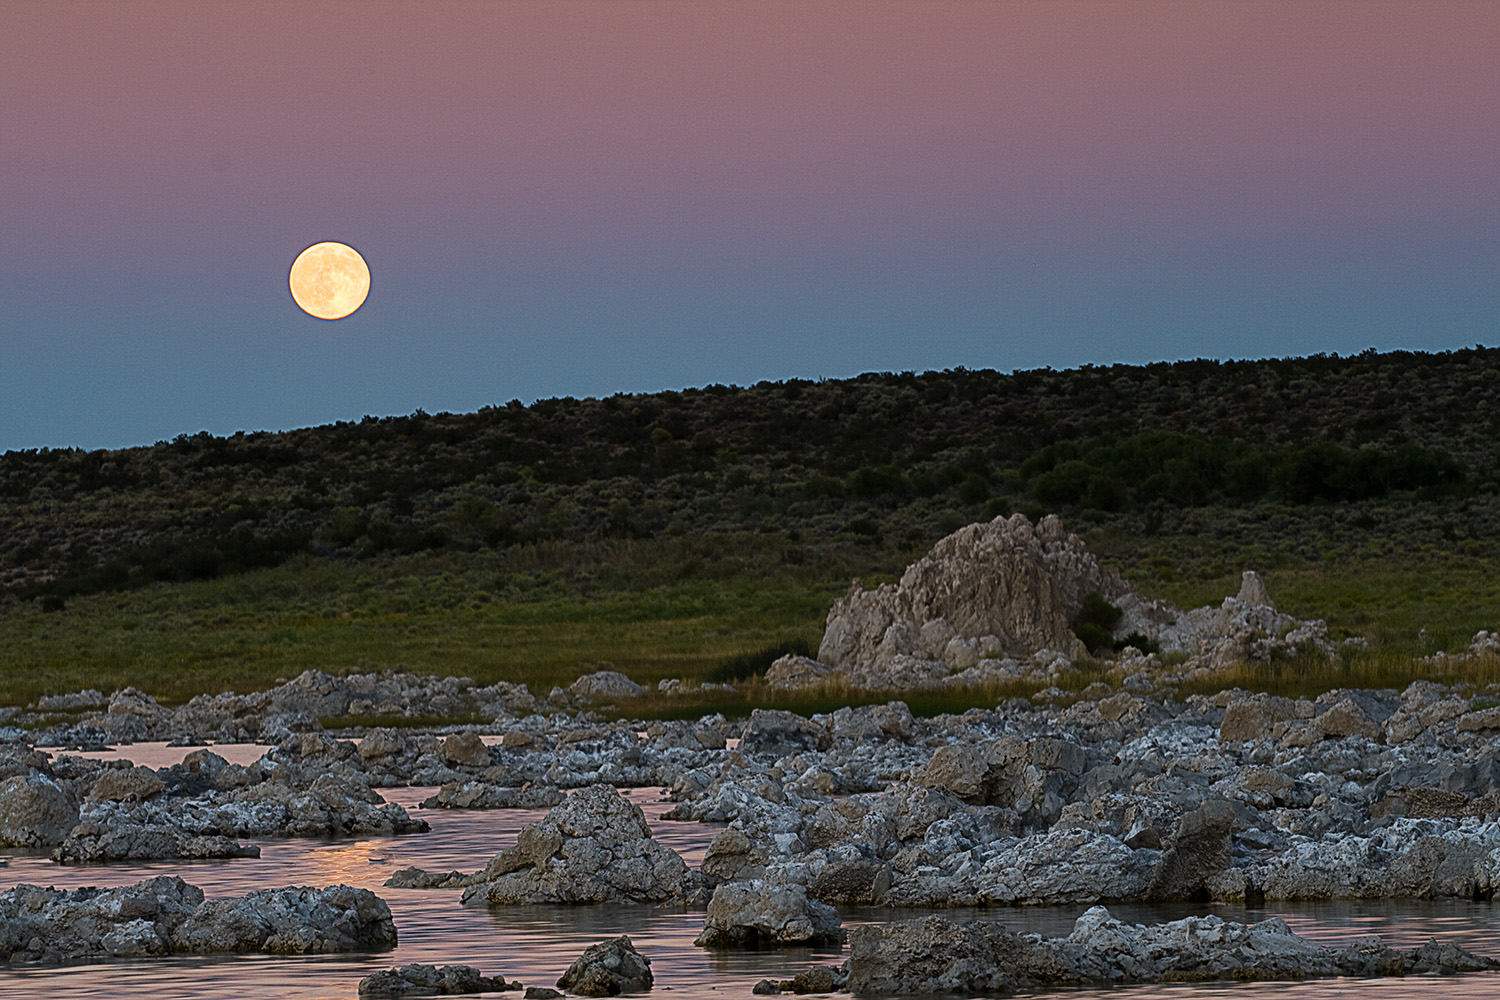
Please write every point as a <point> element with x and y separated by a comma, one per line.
<point>35,811</point>
<point>125,784</point>
<point>779,733</point>
<point>1199,851</point>
<point>1252,717</point>
<point>595,847</point>
<point>757,913</point>
<point>608,969</point>
<point>417,980</point>
<point>857,880</point>
<point>1253,592</point>
<point>604,684</point>
<point>484,795</point>
<point>937,956</point>
<point>92,844</point>
<point>792,673</point>
<point>166,915</point>
<point>730,855</point>
<point>1008,578</point>
<point>466,749</point>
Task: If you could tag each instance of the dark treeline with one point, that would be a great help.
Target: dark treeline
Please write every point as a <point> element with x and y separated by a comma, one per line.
<point>804,464</point>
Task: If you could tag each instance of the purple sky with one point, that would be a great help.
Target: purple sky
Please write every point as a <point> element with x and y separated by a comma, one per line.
<point>581,199</point>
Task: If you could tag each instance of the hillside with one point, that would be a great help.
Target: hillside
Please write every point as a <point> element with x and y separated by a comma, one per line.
<point>1288,458</point>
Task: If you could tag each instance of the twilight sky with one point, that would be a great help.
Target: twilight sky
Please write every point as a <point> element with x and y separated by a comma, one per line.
<point>579,199</point>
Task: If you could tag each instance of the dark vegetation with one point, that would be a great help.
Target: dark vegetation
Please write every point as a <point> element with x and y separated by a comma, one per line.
<point>714,521</point>
<point>808,468</point>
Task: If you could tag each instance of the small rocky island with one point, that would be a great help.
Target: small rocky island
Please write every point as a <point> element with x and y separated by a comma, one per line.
<point>1118,792</point>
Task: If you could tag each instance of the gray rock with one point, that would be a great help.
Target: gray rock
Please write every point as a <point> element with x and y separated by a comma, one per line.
<point>1199,851</point>
<point>778,733</point>
<point>595,847</point>
<point>818,979</point>
<point>608,969</point>
<point>853,881</point>
<point>417,980</point>
<point>1252,717</point>
<point>730,854</point>
<point>1253,593</point>
<point>92,844</point>
<point>936,956</point>
<point>793,673</point>
<point>604,684</point>
<point>299,920</point>
<point>1008,578</point>
<point>166,915</point>
<point>125,784</point>
<point>484,795</point>
<point>466,749</point>
<point>756,914</point>
<point>35,811</point>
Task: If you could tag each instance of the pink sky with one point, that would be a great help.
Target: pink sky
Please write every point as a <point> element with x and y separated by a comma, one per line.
<point>534,167</point>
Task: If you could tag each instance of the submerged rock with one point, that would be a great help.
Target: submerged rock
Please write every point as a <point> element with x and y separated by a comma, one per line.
<point>418,980</point>
<point>484,795</point>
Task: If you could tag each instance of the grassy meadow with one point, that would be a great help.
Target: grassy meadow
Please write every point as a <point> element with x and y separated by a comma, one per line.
<point>544,618</point>
<point>673,534</point>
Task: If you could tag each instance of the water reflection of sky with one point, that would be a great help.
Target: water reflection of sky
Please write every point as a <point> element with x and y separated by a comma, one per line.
<point>535,943</point>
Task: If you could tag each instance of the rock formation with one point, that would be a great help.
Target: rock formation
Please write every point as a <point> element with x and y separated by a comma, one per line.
<point>608,969</point>
<point>418,980</point>
<point>998,601</point>
<point>593,848</point>
<point>760,914</point>
<point>937,956</point>
<point>166,915</point>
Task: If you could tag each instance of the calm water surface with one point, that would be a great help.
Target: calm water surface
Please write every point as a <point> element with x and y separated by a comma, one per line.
<point>535,944</point>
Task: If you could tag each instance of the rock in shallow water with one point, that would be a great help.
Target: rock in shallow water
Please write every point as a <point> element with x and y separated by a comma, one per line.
<point>608,969</point>
<point>756,914</point>
<point>595,847</point>
<point>937,956</point>
<point>166,915</point>
<point>418,980</point>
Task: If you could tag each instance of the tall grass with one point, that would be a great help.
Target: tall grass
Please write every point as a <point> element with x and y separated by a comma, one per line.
<point>549,613</point>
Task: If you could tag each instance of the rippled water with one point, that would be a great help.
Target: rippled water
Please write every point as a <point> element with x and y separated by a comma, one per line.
<point>536,943</point>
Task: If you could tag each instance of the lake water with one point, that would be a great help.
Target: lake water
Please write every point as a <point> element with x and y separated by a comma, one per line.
<point>536,943</point>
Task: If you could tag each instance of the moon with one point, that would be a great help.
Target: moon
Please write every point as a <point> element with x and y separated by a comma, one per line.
<point>330,280</point>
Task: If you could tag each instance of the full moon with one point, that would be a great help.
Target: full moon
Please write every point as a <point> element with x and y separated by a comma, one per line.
<point>329,280</point>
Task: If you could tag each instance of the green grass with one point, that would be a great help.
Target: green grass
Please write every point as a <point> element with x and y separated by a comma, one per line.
<point>568,612</point>
<point>244,633</point>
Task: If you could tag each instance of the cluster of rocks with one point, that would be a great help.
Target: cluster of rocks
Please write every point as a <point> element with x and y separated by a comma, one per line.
<point>998,601</point>
<point>298,705</point>
<point>606,969</point>
<point>938,956</point>
<point>1116,793</point>
<point>90,811</point>
<point>1356,794</point>
<point>166,915</point>
<point>1484,645</point>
